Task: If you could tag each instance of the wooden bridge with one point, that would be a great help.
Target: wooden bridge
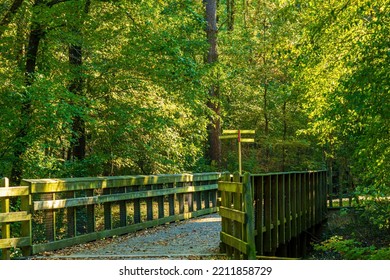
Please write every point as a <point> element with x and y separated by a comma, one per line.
<point>260,213</point>
<point>266,213</point>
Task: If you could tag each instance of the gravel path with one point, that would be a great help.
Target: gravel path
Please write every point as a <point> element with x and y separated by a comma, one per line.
<point>196,238</point>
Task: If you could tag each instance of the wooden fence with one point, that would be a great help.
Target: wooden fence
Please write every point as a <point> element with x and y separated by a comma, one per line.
<point>21,216</point>
<point>237,212</point>
<point>283,206</point>
<point>58,213</point>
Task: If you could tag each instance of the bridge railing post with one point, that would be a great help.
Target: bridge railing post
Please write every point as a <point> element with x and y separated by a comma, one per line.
<point>250,216</point>
<point>5,228</point>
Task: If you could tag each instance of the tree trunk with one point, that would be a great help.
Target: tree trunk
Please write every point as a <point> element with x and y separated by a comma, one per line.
<point>22,142</point>
<point>214,127</point>
<point>76,87</point>
<point>231,9</point>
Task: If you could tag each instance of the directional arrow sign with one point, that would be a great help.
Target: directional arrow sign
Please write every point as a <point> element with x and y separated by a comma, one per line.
<point>237,134</point>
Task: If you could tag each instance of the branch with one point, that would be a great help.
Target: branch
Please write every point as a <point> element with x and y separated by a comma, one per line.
<point>55,2</point>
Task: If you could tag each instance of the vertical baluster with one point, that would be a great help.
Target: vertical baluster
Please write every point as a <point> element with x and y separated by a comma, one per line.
<point>267,213</point>
<point>107,211</point>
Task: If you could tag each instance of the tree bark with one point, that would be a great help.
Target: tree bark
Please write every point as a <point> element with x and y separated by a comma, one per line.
<point>76,86</point>
<point>231,10</point>
<point>23,135</point>
<point>214,127</point>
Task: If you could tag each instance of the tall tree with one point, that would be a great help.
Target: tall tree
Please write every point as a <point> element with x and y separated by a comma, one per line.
<point>22,141</point>
<point>214,127</point>
<point>78,148</point>
<point>345,70</point>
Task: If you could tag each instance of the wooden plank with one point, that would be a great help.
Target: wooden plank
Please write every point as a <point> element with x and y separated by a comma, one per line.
<point>325,193</point>
<point>105,198</point>
<point>5,227</point>
<point>230,225</point>
<point>180,198</point>
<point>287,181</point>
<point>190,202</point>
<point>224,204</point>
<point>307,200</point>
<point>274,211</point>
<point>107,206</point>
<point>74,184</point>
<point>160,202</point>
<point>171,200</point>
<point>232,214</point>
<point>323,188</point>
<point>300,197</point>
<point>259,212</point>
<point>282,208</point>
<point>137,208</point>
<point>267,214</point>
<point>14,242</point>
<point>247,140</point>
<point>14,217</point>
<point>233,187</point>
<point>317,198</point>
<point>230,131</point>
<point>13,191</point>
<point>238,228</point>
<point>235,131</point>
<point>234,242</point>
<point>122,210</point>
<point>26,226</point>
<point>311,199</point>
<point>250,214</point>
<point>228,137</point>
<point>91,213</point>
<point>149,204</point>
<point>198,197</point>
<point>206,196</point>
<point>289,172</point>
<point>293,195</point>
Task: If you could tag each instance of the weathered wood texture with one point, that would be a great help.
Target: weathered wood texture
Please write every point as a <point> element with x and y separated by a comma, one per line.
<point>7,216</point>
<point>236,210</point>
<point>284,205</point>
<point>78,210</point>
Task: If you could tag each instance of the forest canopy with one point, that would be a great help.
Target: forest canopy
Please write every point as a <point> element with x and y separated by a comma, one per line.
<point>112,87</point>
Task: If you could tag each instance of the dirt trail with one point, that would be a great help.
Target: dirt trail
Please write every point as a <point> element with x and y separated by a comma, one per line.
<point>196,238</point>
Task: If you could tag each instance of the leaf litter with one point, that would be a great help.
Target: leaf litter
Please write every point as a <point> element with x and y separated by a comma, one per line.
<point>196,238</point>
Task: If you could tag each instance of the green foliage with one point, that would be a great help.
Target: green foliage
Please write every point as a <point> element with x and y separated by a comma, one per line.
<point>350,249</point>
<point>311,78</point>
<point>142,97</point>
<point>345,76</point>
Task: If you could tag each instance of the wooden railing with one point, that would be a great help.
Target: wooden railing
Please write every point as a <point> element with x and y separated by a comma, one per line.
<point>284,206</point>
<point>236,210</point>
<point>7,216</point>
<point>65,212</point>
<point>337,201</point>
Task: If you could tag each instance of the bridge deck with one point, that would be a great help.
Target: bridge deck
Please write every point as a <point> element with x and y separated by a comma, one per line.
<point>196,238</point>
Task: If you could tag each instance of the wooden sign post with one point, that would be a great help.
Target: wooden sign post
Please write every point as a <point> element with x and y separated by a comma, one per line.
<point>237,134</point>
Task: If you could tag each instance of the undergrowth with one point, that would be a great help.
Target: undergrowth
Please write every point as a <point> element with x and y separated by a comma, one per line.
<point>349,235</point>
